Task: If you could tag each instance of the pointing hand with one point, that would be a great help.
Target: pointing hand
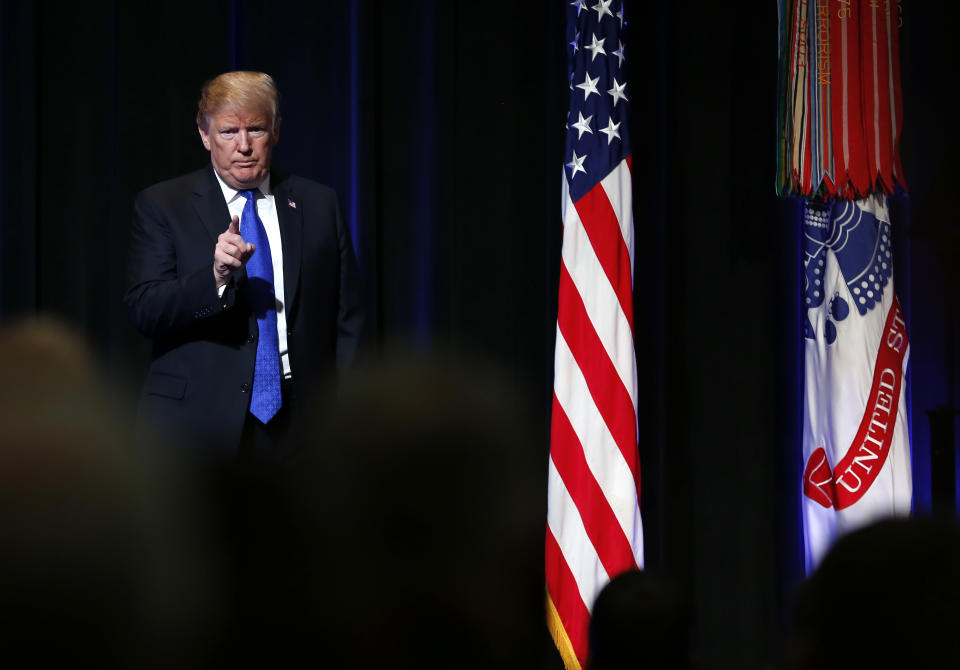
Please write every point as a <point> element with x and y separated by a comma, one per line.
<point>231,253</point>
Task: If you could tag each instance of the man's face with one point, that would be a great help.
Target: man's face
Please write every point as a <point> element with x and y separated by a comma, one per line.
<point>240,143</point>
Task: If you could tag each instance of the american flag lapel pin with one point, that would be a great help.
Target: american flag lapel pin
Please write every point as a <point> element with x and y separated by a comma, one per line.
<point>292,204</point>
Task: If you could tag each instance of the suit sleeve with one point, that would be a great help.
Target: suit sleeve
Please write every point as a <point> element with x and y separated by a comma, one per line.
<point>163,302</point>
<point>350,314</point>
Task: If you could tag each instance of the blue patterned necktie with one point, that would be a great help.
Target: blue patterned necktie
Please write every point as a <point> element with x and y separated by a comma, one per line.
<point>266,399</point>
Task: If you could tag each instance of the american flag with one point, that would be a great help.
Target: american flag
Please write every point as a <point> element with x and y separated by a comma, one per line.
<point>594,530</point>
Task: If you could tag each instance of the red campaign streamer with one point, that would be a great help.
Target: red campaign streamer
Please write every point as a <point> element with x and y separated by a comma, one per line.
<point>874,66</point>
<point>849,151</point>
<point>894,31</point>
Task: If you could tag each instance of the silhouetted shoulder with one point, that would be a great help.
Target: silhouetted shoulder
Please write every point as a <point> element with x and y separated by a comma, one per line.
<point>197,180</point>
<point>301,186</point>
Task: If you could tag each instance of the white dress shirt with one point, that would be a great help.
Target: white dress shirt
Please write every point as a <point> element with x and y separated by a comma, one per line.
<point>267,210</point>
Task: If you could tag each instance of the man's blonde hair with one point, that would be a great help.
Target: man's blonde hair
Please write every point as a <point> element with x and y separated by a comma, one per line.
<point>241,90</point>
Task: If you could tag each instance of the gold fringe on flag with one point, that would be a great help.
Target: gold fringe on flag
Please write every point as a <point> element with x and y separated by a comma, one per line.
<point>560,639</point>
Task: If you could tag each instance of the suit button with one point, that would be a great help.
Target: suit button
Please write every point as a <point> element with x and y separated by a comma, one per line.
<point>245,387</point>
<point>250,339</point>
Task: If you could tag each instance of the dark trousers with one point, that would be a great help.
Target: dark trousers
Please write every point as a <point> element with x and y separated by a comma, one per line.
<point>276,442</point>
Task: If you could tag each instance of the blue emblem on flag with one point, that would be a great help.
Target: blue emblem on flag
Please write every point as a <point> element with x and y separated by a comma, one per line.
<point>861,244</point>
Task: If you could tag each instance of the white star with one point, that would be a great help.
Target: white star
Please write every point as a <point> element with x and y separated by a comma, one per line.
<point>589,85</point>
<point>611,130</point>
<point>618,53</point>
<point>583,125</point>
<point>617,92</point>
<point>596,47</point>
<point>602,7</point>
<point>571,82</point>
<point>577,164</point>
<point>579,5</point>
<point>576,43</point>
<point>620,16</point>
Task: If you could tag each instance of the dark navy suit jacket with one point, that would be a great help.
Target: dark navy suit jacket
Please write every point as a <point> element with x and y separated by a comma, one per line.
<point>197,389</point>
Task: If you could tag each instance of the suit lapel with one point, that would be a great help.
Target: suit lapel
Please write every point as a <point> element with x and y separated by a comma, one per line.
<point>209,203</point>
<point>290,216</point>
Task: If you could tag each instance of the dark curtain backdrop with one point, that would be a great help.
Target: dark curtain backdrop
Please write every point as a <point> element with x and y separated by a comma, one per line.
<point>440,125</point>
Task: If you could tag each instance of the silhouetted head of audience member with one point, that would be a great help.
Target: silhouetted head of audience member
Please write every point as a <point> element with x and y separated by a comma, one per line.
<point>885,596</point>
<point>68,524</point>
<point>420,521</point>
<point>640,620</point>
<point>83,577</point>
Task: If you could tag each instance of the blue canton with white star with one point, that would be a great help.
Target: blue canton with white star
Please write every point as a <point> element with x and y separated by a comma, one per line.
<point>597,136</point>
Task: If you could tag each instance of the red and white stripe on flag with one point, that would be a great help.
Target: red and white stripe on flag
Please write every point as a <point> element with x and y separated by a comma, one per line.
<point>594,530</point>
<point>593,507</point>
<point>856,444</point>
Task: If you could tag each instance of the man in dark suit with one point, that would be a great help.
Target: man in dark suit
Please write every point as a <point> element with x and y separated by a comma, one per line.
<point>246,282</point>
